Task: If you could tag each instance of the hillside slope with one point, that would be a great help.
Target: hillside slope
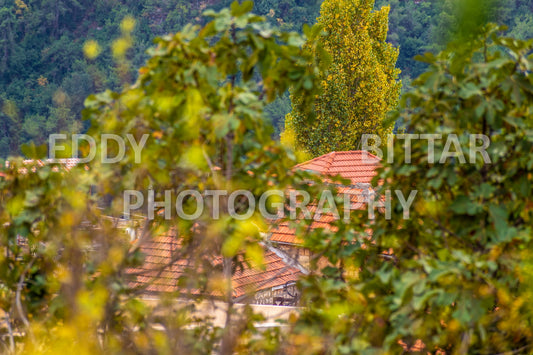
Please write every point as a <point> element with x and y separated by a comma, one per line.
<point>44,77</point>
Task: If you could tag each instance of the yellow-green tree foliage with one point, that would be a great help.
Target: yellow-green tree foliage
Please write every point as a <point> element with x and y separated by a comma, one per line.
<point>360,85</point>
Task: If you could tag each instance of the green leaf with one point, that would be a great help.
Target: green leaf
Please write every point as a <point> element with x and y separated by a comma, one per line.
<point>427,57</point>
<point>469,90</point>
<point>31,151</point>
<point>463,205</point>
<point>499,217</point>
<point>239,10</point>
<point>420,301</point>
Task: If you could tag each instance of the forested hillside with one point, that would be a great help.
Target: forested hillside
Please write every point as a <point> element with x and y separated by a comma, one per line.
<point>44,76</point>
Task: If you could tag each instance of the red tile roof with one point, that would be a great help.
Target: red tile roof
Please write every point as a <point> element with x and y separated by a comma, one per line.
<point>67,164</point>
<point>357,165</point>
<point>163,267</point>
<point>277,272</point>
<point>160,273</point>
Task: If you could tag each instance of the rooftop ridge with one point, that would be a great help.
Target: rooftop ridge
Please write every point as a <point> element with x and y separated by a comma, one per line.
<point>355,165</point>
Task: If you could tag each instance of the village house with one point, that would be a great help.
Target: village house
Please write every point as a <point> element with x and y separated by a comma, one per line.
<point>285,260</point>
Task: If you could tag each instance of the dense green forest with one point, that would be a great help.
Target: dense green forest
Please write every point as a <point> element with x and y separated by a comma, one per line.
<point>45,78</point>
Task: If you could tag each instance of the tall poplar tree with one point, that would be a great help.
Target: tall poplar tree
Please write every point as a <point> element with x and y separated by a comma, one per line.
<point>359,87</point>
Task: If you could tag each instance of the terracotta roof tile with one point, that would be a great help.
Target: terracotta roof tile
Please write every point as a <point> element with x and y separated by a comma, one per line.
<point>67,164</point>
<point>356,165</point>
<point>159,274</point>
<point>353,165</point>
